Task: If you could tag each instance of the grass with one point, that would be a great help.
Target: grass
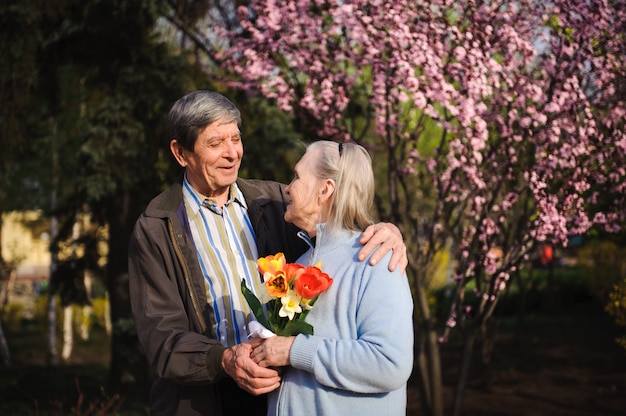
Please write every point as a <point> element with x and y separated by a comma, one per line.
<point>32,387</point>
<point>566,358</point>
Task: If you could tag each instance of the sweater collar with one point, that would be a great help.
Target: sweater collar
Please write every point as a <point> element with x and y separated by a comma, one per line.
<point>325,238</point>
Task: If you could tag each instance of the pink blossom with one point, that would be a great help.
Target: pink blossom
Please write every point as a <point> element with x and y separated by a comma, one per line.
<point>494,121</point>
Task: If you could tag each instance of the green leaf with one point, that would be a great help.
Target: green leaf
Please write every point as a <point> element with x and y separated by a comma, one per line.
<point>276,322</point>
<point>296,327</point>
<point>254,304</point>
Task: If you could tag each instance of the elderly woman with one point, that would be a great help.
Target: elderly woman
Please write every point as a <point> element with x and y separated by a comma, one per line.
<point>361,354</point>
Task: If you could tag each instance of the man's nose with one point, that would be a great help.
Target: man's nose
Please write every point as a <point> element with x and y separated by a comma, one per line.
<point>231,150</point>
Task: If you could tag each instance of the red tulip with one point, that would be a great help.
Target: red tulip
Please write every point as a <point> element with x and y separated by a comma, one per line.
<point>312,282</point>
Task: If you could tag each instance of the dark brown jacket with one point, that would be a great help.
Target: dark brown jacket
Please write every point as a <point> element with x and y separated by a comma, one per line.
<point>168,297</point>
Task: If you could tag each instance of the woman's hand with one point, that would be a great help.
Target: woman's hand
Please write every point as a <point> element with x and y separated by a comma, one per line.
<point>273,352</point>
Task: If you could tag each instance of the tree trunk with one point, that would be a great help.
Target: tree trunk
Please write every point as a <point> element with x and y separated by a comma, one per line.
<point>5,356</point>
<point>436,381</point>
<point>86,310</point>
<point>424,377</point>
<point>488,334</point>
<point>68,333</point>
<point>128,371</point>
<point>108,325</point>
<point>4,349</point>
<point>68,310</point>
<point>429,359</point>
<point>53,355</point>
<point>8,290</point>
<point>554,301</point>
<point>466,359</point>
<point>521,304</point>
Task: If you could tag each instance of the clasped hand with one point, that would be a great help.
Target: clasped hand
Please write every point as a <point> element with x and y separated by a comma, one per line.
<point>273,352</point>
<point>238,363</point>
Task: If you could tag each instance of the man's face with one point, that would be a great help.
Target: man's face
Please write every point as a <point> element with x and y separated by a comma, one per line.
<point>214,164</point>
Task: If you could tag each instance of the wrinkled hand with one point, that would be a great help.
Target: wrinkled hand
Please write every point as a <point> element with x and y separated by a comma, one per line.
<point>248,375</point>
<point>385,236</point>
<point>273,352</point>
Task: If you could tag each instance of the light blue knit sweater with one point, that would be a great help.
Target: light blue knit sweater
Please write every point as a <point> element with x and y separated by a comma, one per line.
<point>361,355</point>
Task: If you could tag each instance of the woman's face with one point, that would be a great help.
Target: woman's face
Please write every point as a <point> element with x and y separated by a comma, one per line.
<point>306,191</point>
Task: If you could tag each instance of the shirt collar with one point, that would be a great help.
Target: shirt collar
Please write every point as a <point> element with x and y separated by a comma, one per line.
<point>195,199</point>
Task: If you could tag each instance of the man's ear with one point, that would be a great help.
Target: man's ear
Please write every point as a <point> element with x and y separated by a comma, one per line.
<point>179,153</point>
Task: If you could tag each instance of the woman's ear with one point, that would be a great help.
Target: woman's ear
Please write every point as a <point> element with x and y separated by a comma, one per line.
<point>328,189</point>
<point>179,153</point>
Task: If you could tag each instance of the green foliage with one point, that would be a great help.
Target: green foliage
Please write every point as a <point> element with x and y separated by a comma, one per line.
<point>12,315</point>
<point>271,146</point>
<point>97,318</point>
<point>255,305</point>
<point>605,259</point>
<point>20,40</point>
<point>606,264</point>
<point>616,307</point>
<point>40,312</point>
<point>99,311</point>
<point>568,286</point>
<point>31,387</point>
<point>440,268</point>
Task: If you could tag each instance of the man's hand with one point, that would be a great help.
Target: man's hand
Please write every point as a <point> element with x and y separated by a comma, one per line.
<point>384,236</point>
<point>248,375</point>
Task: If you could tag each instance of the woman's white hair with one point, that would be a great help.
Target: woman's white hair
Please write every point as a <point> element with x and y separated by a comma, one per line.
<point>350,166</point>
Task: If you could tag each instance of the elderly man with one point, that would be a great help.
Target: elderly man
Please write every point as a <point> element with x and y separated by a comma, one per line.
<point>188,253</point>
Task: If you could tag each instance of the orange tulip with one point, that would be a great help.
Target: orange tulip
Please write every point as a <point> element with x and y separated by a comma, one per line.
<point>271,264</point>
<point>277,285</point>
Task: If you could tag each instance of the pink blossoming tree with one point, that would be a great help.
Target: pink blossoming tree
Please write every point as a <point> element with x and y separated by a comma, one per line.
<point>498,124</point>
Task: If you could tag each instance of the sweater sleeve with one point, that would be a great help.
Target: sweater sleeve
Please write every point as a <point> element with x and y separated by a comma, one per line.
<point>380,358</point>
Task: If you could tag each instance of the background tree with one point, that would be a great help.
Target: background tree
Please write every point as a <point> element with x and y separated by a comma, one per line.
<point>86,88</point>
<point>95,81</point>
<point>499,125</point>
<point>18,75</point>
<point>266,130</point>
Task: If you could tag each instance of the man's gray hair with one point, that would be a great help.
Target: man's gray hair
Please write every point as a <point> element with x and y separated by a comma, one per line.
<point>190,115</point>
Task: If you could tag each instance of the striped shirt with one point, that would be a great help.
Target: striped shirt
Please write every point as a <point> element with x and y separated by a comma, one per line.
<point>227,252</point>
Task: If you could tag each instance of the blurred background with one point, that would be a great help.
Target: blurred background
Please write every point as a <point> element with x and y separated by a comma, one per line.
<point>497,138</point>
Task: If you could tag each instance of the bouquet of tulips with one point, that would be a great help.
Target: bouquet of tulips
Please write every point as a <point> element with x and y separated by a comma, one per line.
<point>293,289</point>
